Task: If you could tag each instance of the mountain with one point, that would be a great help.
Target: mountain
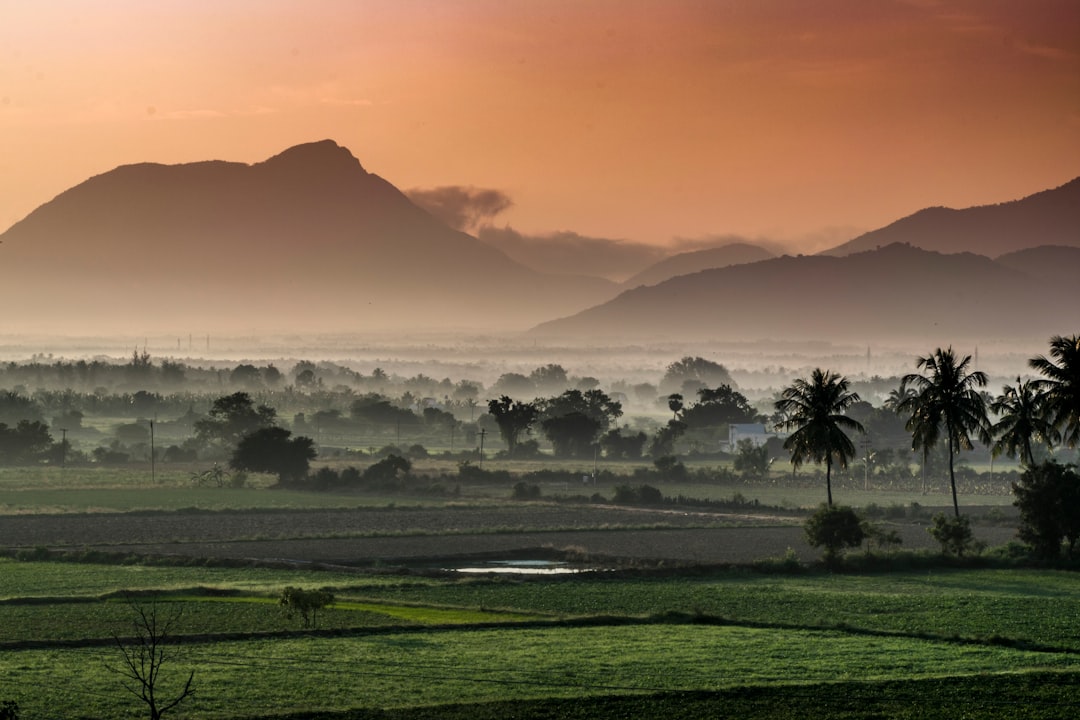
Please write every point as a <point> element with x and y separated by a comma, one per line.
<point>897,293</point>
<point>1051,217</point>
<point>691,262</point>
<point>1052,263</point>
<point>306,240</point>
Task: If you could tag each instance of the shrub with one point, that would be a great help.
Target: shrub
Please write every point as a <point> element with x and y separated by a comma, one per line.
<point>954,533</point>
<point>834,528</point>
<point>526,491</point>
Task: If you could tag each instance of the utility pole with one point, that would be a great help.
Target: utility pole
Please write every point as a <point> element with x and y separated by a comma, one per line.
<point>153,469</point>
<point>483,432</point>
<point>63,448</point>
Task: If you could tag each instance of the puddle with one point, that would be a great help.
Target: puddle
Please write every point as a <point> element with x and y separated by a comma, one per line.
<point>520,567</point>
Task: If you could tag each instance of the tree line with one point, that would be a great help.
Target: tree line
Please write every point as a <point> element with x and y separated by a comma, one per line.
<point>943,404</point>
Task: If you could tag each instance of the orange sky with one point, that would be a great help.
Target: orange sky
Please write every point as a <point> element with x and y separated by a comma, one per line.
<point>638,119</point>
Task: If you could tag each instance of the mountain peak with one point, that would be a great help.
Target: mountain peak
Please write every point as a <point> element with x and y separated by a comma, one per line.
<point>321,156</point>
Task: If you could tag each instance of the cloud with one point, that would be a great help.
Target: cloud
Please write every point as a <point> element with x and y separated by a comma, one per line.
<point>568,252</point>
<point>704,242</point>
<point>462,208</point>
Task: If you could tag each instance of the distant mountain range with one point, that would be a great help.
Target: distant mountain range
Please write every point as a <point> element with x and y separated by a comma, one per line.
<point>898,292</point>
<point>698,260</point>
<point>307,240</point>
<point>1051,217</point>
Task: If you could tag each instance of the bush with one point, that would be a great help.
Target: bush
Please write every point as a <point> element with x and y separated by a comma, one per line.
<point>526,491</point>
<point>641,495</point>
<point>954,533</point>
<point>834,528</point>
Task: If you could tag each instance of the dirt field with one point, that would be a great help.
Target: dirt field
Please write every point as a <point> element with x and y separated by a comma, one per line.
<point>397,535</point>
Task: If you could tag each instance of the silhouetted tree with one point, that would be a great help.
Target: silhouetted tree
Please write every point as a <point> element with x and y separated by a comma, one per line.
<point>675,405</point>
<point>232,417</point>
<point>1021,419</point>
<point>513,418</point>
<point>616,445</point>
<point>946,399</point>
<point>274,450</point>
<point>143,657</point>
<point>719,406</point>
<point>25,443</point>
<point>1061,386</point>
<point>815,409</point>
<point>695,372</point>
<point>1048,497</point>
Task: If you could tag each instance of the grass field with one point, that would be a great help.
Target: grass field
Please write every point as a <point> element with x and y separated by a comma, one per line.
<point>56,490</point>
<point>409,643</point>
<point>686,642</point>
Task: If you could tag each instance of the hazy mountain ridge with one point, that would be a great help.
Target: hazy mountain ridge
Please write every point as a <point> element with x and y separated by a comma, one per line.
<point>697,260</point>
<point>898,292</point>
<point>1049,217</point>
<point>1054,263</point>
<point>307,239</point>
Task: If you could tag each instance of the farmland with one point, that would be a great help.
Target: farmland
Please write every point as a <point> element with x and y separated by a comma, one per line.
<point>687,617</point>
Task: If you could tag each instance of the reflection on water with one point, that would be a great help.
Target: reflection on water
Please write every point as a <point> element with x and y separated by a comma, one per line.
<point>521,567</point>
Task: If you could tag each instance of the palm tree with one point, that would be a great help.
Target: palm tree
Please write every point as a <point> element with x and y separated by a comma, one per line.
<point>815,409</point>
<point>946,399</point>
<point>897,397</point>
<point>1020,419</point>
<point>1061,387</point>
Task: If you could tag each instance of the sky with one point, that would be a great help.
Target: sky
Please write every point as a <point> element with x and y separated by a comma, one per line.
<point>653,121</point>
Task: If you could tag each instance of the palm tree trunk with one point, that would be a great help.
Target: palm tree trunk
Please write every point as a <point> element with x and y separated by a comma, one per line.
<point>952,481</point>
<point>828,477</point>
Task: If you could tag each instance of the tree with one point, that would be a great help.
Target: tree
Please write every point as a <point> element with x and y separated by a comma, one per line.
<point>946,399</point>
<point>549,378</point>
<point>145,654</point>
<point>616,445</point>
<point>750,459</point>
<point>1048,497</point>
<point>573,421</point>
<point>24,443</point>
<point>246,375</point>
<point>572,434</point>
<point>815,410</point>
<point>377,409</point>
<point>15,407</point>
<point>513,419</point>
<point>274,450</point>
<point>1061,386</point>
<point>675,405</point>
<point>232,417</point>
<point>663,443</point>
<point>514,384</point>
<point>720,406</point>
<point>834,528</point>
<point>386,470</point>
<point>697,371</point>
<point>1021,419</point>
<point>305,603</point>
<point>897,397</point>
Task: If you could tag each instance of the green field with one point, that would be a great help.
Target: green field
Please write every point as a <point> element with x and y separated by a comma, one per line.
<point>681,644</point>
